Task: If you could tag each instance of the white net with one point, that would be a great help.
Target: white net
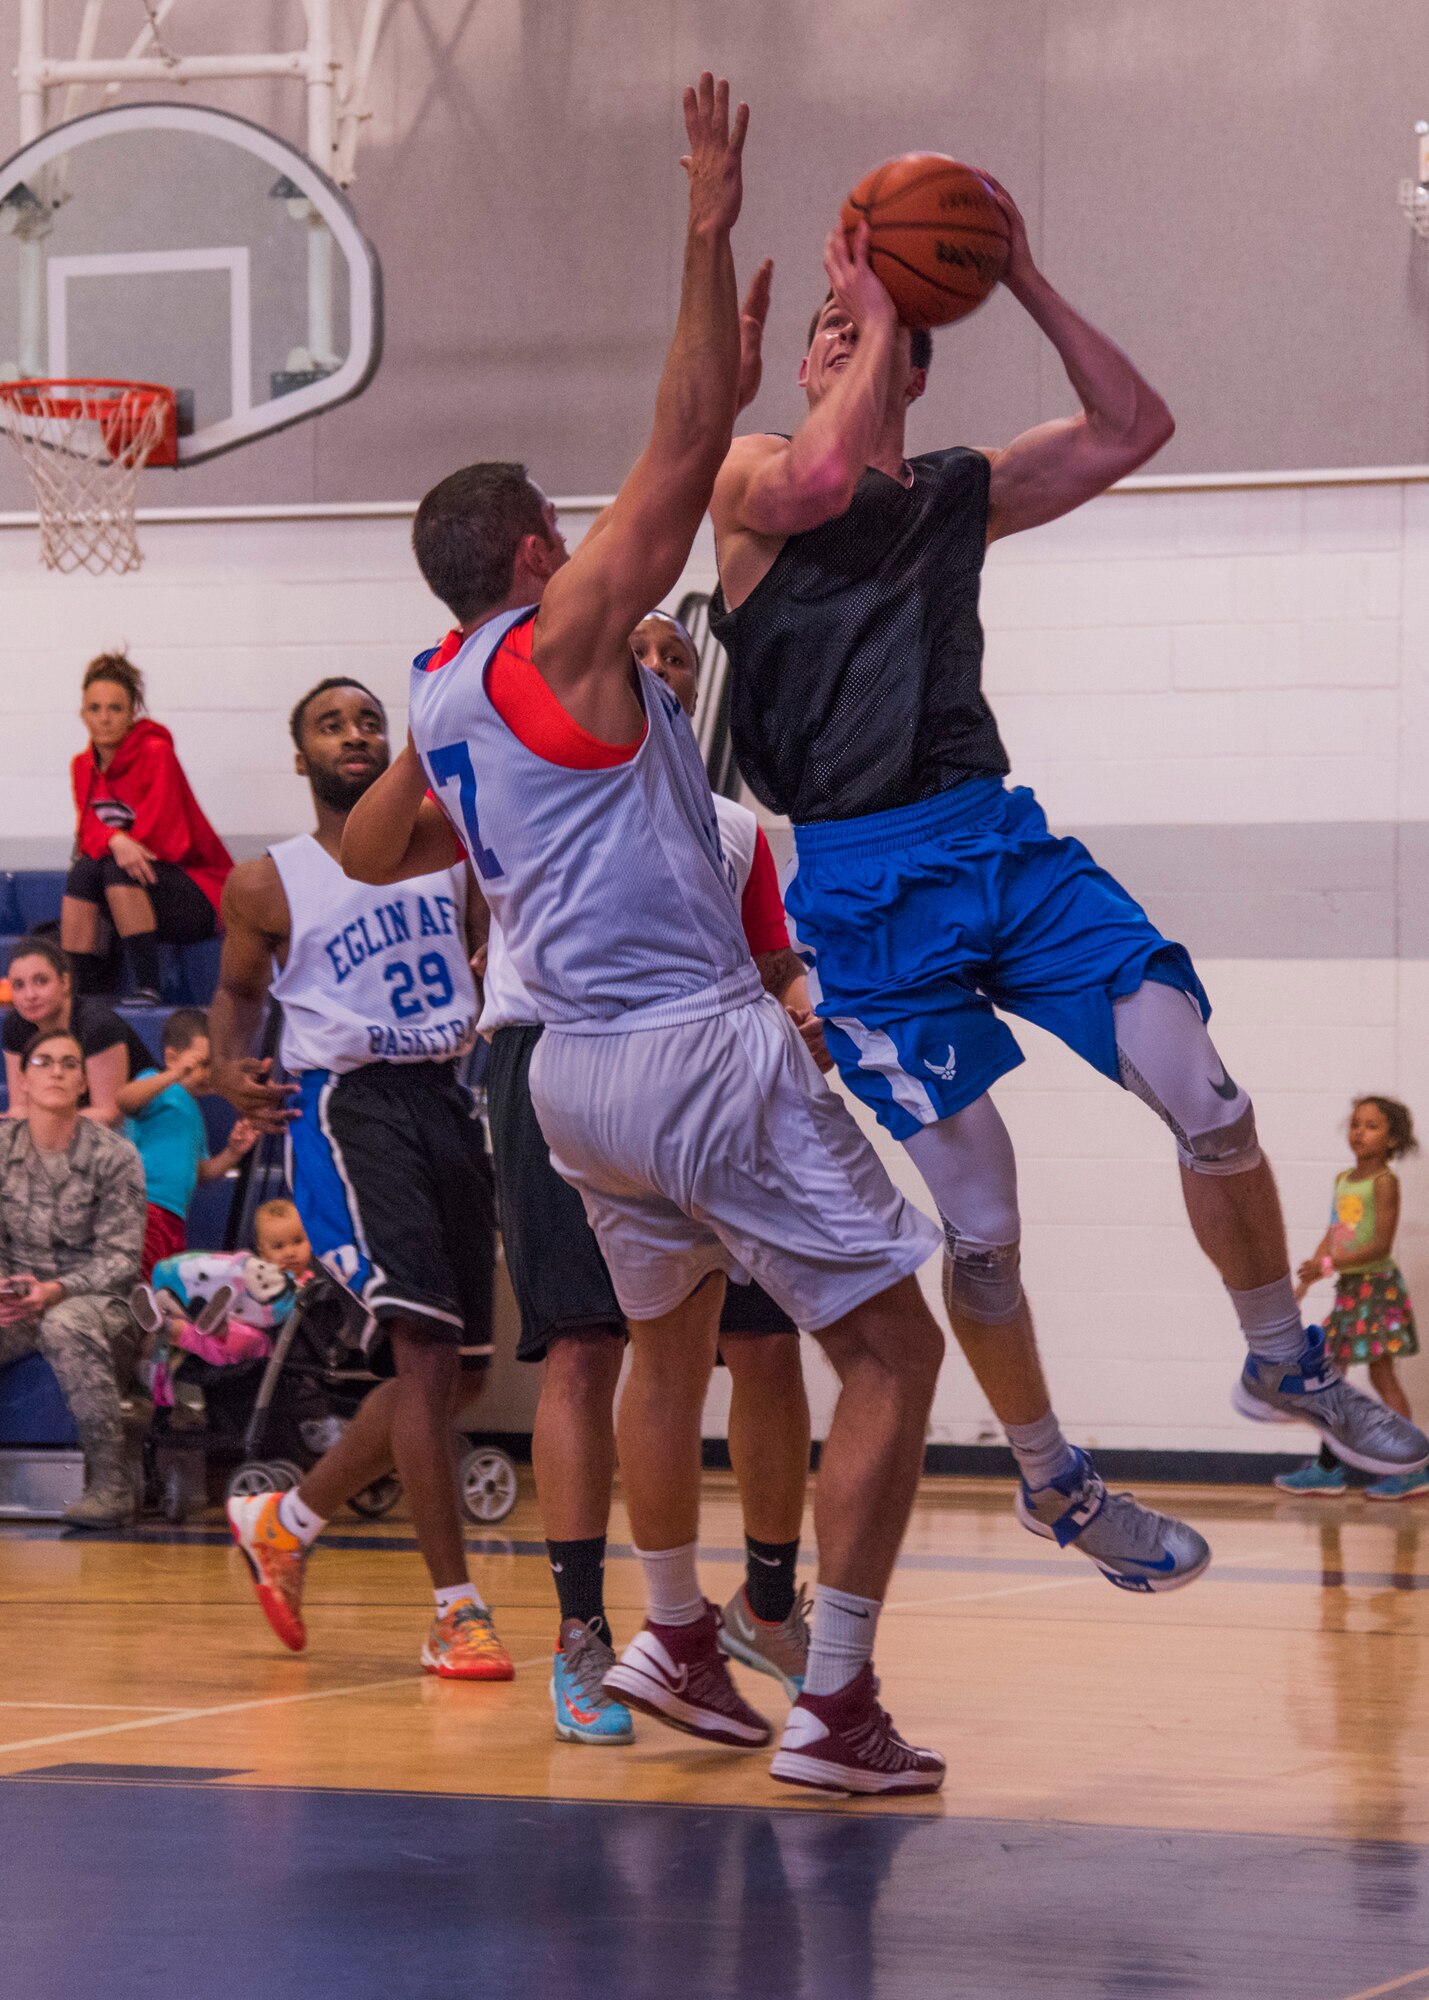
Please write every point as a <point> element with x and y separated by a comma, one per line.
<point>84,445</point>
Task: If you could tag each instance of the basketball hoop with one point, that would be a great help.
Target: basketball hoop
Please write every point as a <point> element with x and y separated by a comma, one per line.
<point>84,443</point>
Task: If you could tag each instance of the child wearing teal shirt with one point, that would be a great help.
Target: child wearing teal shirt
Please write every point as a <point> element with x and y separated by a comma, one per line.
<point>162,1117</point>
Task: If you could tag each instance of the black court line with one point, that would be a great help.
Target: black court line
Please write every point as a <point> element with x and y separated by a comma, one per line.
<point>128,1774</point>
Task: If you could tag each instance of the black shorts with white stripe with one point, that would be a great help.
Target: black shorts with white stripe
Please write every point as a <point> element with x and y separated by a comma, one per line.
<point>416,1184</point>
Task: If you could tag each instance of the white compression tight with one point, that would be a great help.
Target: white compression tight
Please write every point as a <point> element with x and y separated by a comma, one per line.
<point>1166,1058</point>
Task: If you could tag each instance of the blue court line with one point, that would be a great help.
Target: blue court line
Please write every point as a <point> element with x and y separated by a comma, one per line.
<point>1319,1578</point>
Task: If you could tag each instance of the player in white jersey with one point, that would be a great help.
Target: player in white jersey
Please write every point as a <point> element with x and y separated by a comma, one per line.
<point>386,1161</point>
<point>674,1093</point>
<point>572,1326</point>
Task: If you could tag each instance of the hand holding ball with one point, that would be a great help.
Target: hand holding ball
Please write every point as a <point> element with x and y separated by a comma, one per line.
<point>938,236</point>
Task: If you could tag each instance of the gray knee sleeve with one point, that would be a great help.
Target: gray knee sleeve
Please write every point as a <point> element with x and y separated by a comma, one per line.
<point>1166,1058</point>
<point>983,1280</point>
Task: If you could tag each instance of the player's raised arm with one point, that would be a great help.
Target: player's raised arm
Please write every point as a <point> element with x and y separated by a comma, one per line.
<point>395,831</point>
<point>784,486</point>
<point>592,603</point>
<point>1055,467</point>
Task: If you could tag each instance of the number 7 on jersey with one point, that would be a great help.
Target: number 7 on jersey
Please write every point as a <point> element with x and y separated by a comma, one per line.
<point>453,760</point>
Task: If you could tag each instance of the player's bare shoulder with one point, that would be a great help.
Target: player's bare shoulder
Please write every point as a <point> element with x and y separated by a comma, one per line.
<point>744,551</point>
<point>746,457</point>
<point>254,900</point>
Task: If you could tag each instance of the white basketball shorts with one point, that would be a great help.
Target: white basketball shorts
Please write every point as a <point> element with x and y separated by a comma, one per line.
<point>715,1145</point>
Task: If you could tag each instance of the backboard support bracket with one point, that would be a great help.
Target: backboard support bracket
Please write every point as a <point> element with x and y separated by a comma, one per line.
<point>336,83</point>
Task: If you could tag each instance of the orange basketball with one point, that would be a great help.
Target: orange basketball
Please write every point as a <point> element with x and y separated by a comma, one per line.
<point>937,237</point>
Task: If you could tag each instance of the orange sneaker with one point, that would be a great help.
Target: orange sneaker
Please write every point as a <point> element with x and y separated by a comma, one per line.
<point>276,1559</point>
<point>462,1646</point>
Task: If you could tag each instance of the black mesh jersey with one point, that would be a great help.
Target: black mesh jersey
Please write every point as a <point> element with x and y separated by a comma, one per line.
<point>857,661</point>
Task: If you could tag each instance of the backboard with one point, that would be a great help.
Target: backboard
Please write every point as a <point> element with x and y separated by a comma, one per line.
<point>180,245</point>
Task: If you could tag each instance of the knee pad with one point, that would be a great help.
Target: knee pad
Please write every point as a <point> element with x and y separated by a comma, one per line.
<point>982,1280</point>
<point>1229,1149</point>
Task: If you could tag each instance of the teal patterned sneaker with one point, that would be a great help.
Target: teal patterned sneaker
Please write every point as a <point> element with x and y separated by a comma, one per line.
<point>1399,1486</point>
<point>1324,1482</point>
<point>585,1713</point>
<point>1311,1390</point>
<point>1133,1546</point>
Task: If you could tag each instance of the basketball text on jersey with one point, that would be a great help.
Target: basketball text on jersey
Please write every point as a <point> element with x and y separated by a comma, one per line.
<point>373,974</point>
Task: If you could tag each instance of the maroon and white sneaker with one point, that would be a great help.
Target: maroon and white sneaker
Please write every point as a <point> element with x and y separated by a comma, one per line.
<point>845,1742</point>
<point>678,1674</point>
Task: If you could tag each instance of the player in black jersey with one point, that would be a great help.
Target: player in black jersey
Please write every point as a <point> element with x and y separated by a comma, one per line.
<point>929,891</point>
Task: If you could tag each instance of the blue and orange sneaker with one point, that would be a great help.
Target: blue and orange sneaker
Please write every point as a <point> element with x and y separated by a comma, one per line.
<point>276,1560</point>
<point>585,1713</point>
<point>462,1646</point>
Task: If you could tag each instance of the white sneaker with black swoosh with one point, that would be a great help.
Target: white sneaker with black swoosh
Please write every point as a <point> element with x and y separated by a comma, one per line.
<point>678,1674</point>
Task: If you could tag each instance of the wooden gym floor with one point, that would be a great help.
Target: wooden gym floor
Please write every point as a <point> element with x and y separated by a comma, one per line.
<point>1222,1792</point>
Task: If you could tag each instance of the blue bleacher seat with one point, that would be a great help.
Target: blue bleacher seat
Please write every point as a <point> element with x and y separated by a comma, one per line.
<point>31,896</point>
<point>32,1410</point>
<point>189,972</point>
<point>37,893</point>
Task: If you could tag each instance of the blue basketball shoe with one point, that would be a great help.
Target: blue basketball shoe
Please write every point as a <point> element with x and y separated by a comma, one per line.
<point>1311,1390</point>
<point>1133,1547</point>
<point>585,1713</point>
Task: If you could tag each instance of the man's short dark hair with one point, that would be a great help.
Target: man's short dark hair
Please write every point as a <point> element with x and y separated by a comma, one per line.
<point>467,532</point>
<point>920,341</point>
<point>183,1028</point>
<point>300,714</point>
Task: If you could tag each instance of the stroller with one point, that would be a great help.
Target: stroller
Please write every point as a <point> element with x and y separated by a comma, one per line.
<point>268,1421</point>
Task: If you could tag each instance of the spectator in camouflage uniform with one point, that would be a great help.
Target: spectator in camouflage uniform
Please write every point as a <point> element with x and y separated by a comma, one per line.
<point>71,1230</point>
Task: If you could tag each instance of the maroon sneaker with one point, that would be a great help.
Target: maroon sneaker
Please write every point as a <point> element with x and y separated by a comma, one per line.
<point>845,1742</point>
<point>678,1674</point>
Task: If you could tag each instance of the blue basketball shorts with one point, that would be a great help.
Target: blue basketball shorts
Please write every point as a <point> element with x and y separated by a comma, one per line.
<point>920,923</point>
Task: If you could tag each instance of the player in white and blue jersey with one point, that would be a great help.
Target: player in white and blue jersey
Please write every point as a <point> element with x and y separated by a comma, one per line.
<point>386,1160</point>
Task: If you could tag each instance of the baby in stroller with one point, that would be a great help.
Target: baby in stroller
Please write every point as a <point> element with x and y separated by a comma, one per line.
<point>220,1306</point>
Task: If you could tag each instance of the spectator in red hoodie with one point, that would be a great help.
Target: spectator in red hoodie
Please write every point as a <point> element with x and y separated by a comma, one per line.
<point>142,846</point>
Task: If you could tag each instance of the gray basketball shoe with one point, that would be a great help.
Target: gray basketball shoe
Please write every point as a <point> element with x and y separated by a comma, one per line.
<point>781,1650</point>
<point>1311,1390</point>
<point>1133,1547</point>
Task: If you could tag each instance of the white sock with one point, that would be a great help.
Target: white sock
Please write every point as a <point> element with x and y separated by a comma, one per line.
<point>842,1638</point>
<point>1270,1320</point>
<point>1042,1453</point>
<point>299,1519</point>
<point>458,1593</point>
<point>672,1585</point>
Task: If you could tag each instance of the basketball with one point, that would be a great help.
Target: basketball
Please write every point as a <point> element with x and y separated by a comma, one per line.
<point>937,236</point>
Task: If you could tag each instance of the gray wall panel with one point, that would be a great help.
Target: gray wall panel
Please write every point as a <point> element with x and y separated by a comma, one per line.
<point>1354,891</point>
<point>1215,183</point>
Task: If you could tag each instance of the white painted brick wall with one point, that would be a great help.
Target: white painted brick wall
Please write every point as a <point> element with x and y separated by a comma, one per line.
<point>1169,657</point>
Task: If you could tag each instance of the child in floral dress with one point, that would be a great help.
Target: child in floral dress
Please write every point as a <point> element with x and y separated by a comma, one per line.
<point>1372,1321</point>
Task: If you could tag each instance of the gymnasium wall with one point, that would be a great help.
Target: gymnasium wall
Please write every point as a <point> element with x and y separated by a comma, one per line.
<point>1214,183</point>
<point>1223,690</point>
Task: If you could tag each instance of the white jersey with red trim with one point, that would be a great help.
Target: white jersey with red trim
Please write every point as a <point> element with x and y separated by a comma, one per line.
<point>609,885</point>
<point>507,1004</point>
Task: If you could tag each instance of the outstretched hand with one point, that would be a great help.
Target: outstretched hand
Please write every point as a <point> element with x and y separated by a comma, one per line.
<point>1020,265</point>
<point>752,315</point>
<point>856,286</point>
<point>256,1097</point>
<point>713,161</point>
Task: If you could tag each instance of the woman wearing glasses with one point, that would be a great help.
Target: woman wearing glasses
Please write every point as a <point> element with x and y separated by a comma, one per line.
<point>71,1230</point>
<point>43,997</point>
